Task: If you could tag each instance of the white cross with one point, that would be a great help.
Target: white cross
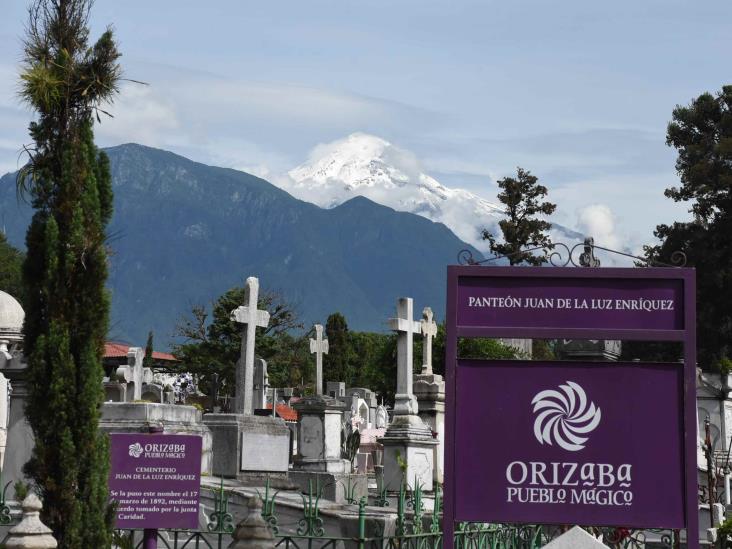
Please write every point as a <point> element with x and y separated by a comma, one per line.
<point>133,372</point>
<point>319,346</point>
<point>404,401</point>
<point>252,318</point>
<point>429,330</point>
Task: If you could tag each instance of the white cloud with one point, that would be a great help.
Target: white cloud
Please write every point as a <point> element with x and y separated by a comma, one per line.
<point>598,221</point>
<point>139,115</point>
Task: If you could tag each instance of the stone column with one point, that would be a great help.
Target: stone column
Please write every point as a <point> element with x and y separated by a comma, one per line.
<point>430,392</point>
<point>20,439</point>
<point>429,388</point>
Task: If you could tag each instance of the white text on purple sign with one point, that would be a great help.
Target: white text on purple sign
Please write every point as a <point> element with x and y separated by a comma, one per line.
<point>585,484</point>
<point>634,304</point>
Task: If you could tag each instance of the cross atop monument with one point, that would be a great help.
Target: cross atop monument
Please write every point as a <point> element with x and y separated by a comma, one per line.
<point>404,401</point>
<point>319,346</point>
<point>252,318</point>
<point>134,373</point>
<point>429,330</point>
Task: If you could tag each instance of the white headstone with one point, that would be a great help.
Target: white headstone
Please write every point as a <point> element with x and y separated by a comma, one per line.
<point>404,401</point>
<point>319,346</point>
<point>429,330</point>
<point>382,418</point>
<point>252,318</point>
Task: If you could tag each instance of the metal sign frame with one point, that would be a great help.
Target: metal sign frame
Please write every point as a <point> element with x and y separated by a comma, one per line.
<point>686,335</point>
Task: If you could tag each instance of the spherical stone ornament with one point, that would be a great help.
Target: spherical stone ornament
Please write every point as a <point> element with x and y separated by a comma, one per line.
<point>11,317</point>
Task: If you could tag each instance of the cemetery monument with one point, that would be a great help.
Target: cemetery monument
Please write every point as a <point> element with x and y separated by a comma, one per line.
<point>408,439</point>
<point>239,437</point>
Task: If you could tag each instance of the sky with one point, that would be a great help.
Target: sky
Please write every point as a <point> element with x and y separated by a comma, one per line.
<point>578,92</point>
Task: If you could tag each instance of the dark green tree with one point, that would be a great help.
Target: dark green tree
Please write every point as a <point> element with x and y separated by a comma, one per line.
<point>211,343</point>
<point>480,348</point>
<point>374,362</point>
<point>65,80</point>
<point>338,363</point>
<point>148,361</point>
<point>11,262</point>
<point>522,197</point>
<point>702,134</point>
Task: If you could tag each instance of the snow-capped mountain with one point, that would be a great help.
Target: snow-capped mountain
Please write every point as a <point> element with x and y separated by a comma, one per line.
<point>369,166</point>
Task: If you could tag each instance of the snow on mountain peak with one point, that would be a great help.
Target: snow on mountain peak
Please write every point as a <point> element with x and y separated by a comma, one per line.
<point>366,165</point>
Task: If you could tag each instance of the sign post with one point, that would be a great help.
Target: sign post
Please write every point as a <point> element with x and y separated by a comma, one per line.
<point>569,442</point>
<point>155,480</point>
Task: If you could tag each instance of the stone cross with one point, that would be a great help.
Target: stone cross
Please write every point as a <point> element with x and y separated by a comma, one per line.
<point>133,372</point>
<point>319,346</point>
<point>252,318</point>
<point>404,401</point>
<point>429,330</point>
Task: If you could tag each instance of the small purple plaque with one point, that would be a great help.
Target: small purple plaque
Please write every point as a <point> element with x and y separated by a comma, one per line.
<point>155,480</point>
<point>570,443</point>
<point>597,303</point>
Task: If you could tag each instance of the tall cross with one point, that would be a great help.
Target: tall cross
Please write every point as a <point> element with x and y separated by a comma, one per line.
<point>319,346</point>
<point>405,402</point>
<point>252,318</point>
<point>134,373</point>
<point>429,330</point>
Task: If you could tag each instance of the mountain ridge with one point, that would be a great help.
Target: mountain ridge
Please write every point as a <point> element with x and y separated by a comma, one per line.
<point>366,165</point>
<point>184,232</point>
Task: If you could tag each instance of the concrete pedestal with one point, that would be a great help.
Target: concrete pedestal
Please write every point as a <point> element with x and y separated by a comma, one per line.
<point>430,392</point>
<point>408,442</point>
<point>136,417</point>
<point>249,448</point>
<point>319,435</point>
<point>318,462</point>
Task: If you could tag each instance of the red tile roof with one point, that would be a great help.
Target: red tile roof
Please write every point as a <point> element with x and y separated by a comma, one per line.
<point>119,350</point>
<point>285,412</point>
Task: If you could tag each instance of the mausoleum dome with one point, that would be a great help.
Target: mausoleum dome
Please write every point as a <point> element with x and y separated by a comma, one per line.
<point>11,317</point>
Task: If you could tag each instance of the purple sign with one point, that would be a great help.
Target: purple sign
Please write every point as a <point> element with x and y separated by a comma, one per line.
<point>601,303</point>
<point>581,443</point>
<point>600,443</point>
<point>155,480</point>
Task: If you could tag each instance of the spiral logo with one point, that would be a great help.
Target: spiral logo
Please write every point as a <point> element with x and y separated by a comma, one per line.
<point>563,416</point>
<point>136,450</point>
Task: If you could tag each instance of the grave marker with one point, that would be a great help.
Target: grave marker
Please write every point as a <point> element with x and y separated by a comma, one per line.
<point>319,346</point>
<point>404,401</point>
<point>251,318</point>
<point>428,327</point>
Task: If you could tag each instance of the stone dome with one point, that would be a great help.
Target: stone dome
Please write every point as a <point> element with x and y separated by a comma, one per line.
<point>11,316</point>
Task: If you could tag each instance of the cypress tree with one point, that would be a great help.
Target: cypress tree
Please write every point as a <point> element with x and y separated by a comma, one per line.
<point>338,363</point>
<point>67,307</point>
<point>147,362</point>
